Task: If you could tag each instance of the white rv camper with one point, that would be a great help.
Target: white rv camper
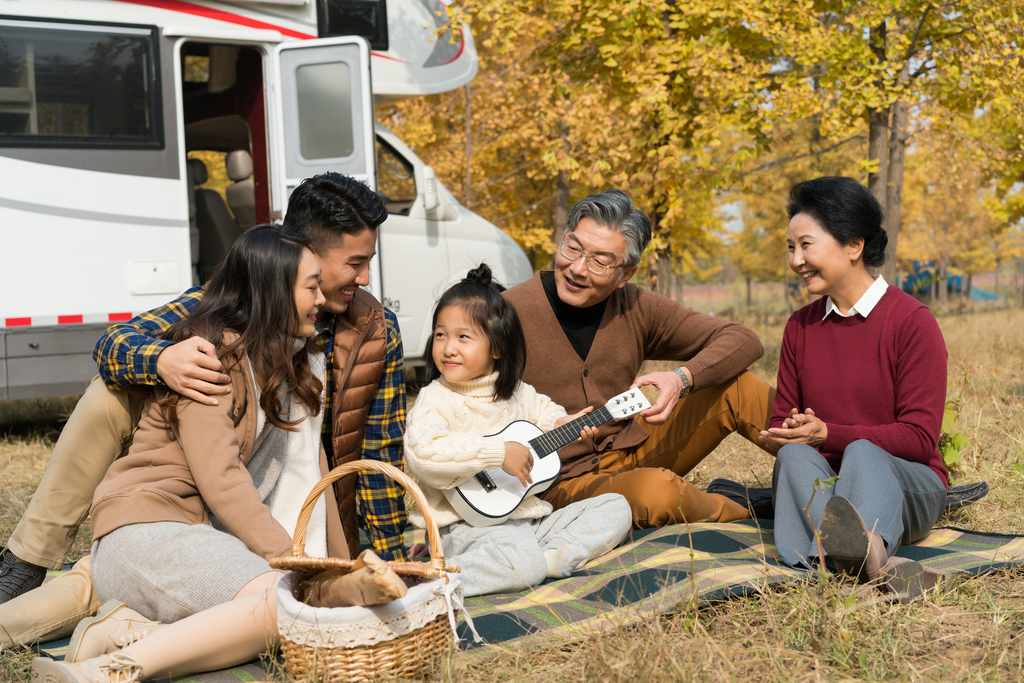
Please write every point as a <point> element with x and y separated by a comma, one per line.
<point>101,102</point>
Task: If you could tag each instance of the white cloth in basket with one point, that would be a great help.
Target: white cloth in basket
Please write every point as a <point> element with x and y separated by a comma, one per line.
<point>340,627</point>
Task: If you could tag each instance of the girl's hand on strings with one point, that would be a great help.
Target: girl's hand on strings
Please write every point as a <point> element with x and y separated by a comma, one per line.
<point>518,462</point>
<point>587,431</point>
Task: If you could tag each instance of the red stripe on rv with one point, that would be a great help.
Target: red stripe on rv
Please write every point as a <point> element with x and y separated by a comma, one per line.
<point>216,14</point>
<point>68,319</point>
<point>462,46</point>
<point>18,322</point>
<point>119,317</point>
<point>394,59</point>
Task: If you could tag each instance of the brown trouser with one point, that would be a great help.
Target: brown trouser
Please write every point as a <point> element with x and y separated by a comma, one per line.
<point>650,476</point>
<point>99,431</point>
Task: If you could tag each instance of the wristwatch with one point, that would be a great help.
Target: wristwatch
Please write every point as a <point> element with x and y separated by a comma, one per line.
<point>687,387</point>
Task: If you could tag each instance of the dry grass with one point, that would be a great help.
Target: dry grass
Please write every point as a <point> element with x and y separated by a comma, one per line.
<point>812,632</point>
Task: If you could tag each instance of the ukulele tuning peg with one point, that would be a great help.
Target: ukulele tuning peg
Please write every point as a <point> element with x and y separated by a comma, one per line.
<point>617,401</point>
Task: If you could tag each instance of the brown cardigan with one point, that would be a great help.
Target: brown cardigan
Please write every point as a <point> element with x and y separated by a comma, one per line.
<point>638,325</point>
<point>182,472</point>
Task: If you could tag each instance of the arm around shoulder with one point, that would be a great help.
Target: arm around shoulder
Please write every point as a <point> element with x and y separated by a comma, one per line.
<point>127,353</point>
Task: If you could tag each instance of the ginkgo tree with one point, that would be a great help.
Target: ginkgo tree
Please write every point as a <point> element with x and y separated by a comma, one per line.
<point>868,67</point>
<point>676,102</point>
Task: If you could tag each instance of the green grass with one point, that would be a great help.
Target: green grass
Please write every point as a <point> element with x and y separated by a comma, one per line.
<point>811,632</point>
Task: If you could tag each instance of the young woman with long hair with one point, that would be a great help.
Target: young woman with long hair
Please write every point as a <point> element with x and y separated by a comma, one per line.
<point>185,523</point>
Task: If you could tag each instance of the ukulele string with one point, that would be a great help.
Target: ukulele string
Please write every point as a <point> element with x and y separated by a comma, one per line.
<point>560,436</point>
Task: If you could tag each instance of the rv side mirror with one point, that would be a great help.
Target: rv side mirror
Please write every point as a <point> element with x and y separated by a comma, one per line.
<point>430,194</point>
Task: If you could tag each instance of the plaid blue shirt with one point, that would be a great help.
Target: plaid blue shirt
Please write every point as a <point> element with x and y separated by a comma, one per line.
<point>126,355</point>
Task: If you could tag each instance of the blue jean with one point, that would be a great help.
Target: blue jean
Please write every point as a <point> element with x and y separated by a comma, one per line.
<point>899,500</point>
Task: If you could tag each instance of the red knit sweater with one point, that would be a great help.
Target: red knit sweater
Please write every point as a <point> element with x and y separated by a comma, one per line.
<point>880,378</point>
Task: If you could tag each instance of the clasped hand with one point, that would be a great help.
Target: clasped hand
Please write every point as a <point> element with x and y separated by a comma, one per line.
<point>797,428</point>
<point>519,461</point>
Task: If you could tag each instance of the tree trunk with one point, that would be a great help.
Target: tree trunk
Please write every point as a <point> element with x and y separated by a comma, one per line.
<point>561,215</point>
<point>894,188</point>
<point>682,282</point>
<point>943,284</point>
<point>878,128</point>
<point>750,302</point>
<point>970,282</point>
<point>1018,282</point>
<point>652,271</point>
<point>561,211</point>
<point>878,149</point>
<point>997,279</point>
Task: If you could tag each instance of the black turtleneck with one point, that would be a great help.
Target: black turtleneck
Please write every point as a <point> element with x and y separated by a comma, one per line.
<point>579,324</point>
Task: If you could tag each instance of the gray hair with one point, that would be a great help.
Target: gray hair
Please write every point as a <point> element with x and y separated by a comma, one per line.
<point>613,209</point>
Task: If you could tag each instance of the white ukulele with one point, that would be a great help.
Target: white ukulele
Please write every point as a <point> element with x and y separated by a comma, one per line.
<point>489,497</point>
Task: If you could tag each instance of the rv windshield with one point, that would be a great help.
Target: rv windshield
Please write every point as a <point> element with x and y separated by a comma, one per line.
<point>77,85</point>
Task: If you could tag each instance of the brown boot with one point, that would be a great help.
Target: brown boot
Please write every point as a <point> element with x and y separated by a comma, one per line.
<point>908,579</point>
<point>113,668</point>
<point>114,627</point>
<point>857,552</point>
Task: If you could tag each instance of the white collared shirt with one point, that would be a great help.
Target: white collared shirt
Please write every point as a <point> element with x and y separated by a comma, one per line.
<point>864,305</point>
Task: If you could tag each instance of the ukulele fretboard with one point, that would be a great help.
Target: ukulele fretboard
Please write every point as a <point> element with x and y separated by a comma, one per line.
<point>549,442</point>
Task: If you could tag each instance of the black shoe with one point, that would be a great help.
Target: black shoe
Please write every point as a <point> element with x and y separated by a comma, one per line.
<point>16,577</point>
<point>961,496</point>
<point>758,501</point>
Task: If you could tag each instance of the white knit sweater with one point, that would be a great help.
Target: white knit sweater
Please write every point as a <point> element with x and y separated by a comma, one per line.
<point>446,442</point>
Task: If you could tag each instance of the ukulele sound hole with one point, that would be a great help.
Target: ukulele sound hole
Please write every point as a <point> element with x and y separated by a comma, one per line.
<point>485,481</point>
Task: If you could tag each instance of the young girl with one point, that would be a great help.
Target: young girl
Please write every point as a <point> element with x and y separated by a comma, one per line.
<point>248,462</point>
<point>478,353</point>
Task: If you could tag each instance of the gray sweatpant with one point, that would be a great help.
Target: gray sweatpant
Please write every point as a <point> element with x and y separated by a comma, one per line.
<point>509,557</point>
<point>899,500</point>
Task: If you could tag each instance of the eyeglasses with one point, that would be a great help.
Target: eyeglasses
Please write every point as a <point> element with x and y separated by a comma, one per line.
<point>594,263</point>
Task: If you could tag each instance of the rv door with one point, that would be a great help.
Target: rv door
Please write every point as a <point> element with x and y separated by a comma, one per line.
<point>321,118</point>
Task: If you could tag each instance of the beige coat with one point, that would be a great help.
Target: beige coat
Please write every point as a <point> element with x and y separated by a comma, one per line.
<point>183,472</point>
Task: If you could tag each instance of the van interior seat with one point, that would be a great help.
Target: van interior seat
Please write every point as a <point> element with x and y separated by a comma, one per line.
<point>217,229</point>
<point>241,194</point>
<point>193,226</point>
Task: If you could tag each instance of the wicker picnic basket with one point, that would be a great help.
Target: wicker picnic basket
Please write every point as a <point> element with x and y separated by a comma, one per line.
<point>399,638</point>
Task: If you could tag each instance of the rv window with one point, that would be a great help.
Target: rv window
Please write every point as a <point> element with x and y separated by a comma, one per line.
<point>396,180</point>
<point>324,95</point>
<point>76,85</point>
<point>366,18</point>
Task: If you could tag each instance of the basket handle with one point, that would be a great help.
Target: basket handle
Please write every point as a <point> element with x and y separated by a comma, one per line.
<point>299,540</point>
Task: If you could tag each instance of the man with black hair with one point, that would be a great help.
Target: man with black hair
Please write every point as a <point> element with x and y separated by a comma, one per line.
<point>364,408</point>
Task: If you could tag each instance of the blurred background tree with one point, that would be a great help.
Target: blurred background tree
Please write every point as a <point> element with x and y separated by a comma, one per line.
<point>706,112</point>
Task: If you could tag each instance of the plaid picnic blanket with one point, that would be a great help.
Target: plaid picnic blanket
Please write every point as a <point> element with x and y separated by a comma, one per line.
<point>661,570</point>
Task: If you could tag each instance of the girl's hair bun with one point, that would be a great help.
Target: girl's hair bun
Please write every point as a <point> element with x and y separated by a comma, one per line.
<point>481,275</point>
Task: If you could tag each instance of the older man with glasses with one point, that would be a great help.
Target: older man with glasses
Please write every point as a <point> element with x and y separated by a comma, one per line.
<point>588,330</point>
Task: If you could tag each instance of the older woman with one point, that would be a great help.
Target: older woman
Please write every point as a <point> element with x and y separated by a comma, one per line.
<point>861,390</point>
